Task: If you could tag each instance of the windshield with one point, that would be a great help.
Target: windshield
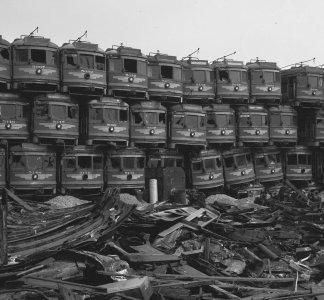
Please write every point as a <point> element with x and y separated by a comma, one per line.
<point>220,120</point>
<point>129,163</point>
<point>58,112</point>
<point>302,80</point>
<point>38,56</point>
<point>259,120</point>
<point>197,76</point>
<point>84,162</point>
<point>33,162</point>
<point>86,61</point>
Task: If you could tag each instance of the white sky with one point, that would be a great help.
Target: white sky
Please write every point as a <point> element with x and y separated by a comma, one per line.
<point>285,31</point>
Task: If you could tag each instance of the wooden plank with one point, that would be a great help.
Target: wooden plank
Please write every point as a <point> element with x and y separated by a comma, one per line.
<point>19,201</point>
<point>3,229</point>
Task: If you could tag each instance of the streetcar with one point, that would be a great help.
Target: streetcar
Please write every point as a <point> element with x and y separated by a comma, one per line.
<point>186,125</point>
<point>81,170</point>
<point>83,68</point>
<point>5,65</point>
<point>265,84</point>
<point>125,168</point>
<point>148,124</point>
<point>35,66</point>
<point>298,163</point>
<point>252,125</point>
<point>311,126</point>
<point>165,78</point>
<point>206,170</point>
<point>55,117</point>
<point>104,120</point>
<point>198,82</point>
<point>231,79</point>
<point>14,117</point>
<point>283,125</point>
<point>303,86</point>
<point>127,73</point>
<point>238,167</point>
<point>32,169</point>
<point>167,167</point>
<point>220,127</point>
<point>268,164</point>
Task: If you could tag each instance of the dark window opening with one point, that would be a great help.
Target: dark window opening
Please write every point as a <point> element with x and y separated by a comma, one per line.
<point>229,162</point>
<point>72,112</point>
<point>169,162</point>
<point>218,162</point>
<point>38,56</point>
<point>161,118</point>
<point>71,60</point>
<point>100,63</point>
<point>130,65</point>
<point>167,72</point>
<point>84,162</point>
<point>292,159</point>
<point>223,76</point>
<point>49,162</point>
<point>179,162</point>
<point>123,115</point>
<point>260,161</point>
<point>41,110</point>
<point>70,163</point>
<point>210,164</point>
<point>140,162</point>
<point>4,56</point>
<point>115,163</point>
<point>197,166</point>
<point>138,118</point>
<point>211,120</point>
<point>18,162</point>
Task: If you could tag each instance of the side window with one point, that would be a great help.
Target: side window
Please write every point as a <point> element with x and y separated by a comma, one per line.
<point>223,76</point>
<point>130,65</point>
<point>167,72</point>
<point>21,55</point>
<point>137,118</point>
<point>100,63</point>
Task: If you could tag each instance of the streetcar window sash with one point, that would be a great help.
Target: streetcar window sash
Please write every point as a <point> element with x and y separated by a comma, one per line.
<point>221,120</point>
<point>72,112</point>
<point>276,120</point>
<point>162,118</point>
<point>71,60</point>
<point>259,120</point>
<point>151,118</point>
<point>169,162</point>
<point>289,120</point>
<point>196,166</point>
<point>86,61</point>
<point>51,58</point>
<point>123,115</point>
<point>223,76</point>
<point>235,76</point>
<point>69,163</point>
<point>199,76</point>
<point>178,121</point>
<point>272,158</point>
<point>100,62</point>
<point>4,55</point>
<point>179,162</point>
<point>38,56</point>
<point>58,112</point>
<point>209,164</point>
<point>229,162</point>
<point>97,162</point>
<point>138,118</point>
<point>84,162</point>
<point>35,162</point>
<point>245,120</point>
<point>268,77</point>
<point>115,65</point>
<point>48,162</point>
<point>167,72</point>
<point>21,55</point>
<point>129,163</point>
<point>154,163</point>
<point>188,76</point>
<point>242,160</point>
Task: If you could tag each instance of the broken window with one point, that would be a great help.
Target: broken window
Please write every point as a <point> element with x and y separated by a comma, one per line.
<point>138,118</point>
<point>41,110</point>
<point>4,55</point>
<point>97,163</point>
<point>291,159</point>
<point>69,163</point>
<point>115,163</point>
<point>8,111</point>
<point>84,162</point>
<point>161,118</point>
<point>86,61</point>
<point>123,115</point>
<point>72,112</point>
<point>100,62</point>
<point>130,65</point>
<point>51,58</point>
<point>115,65</point>
<point>140,162</point>
<point>320,123</point>
<point>18,162</point>
<point>38,56</point>
<point>196,166</point>
<point>223,76</point>
<point>129,163</point>
<point>49,162</point>
<point>235,76</point>
<point>167,72</point>
<point>71,60</point>
<point>178,121</point>
<point>257,77</point>
<point>58,112</point>
<point>21,55</point>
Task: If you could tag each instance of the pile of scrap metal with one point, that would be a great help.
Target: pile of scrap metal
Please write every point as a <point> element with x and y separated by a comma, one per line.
<point>214,247</point>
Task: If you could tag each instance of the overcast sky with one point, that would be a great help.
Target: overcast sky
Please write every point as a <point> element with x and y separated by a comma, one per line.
<point>284,31</point>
